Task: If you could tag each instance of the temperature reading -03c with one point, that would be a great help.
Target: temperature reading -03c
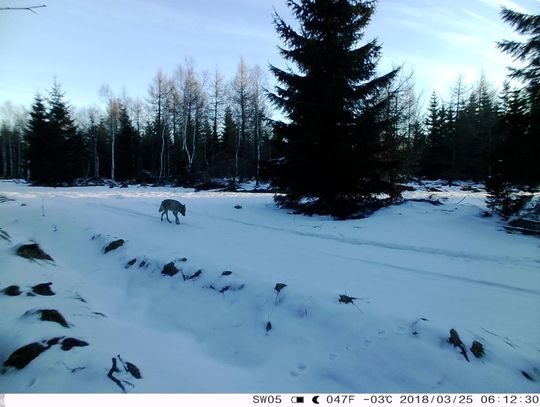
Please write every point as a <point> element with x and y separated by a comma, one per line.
<point>379,399</point>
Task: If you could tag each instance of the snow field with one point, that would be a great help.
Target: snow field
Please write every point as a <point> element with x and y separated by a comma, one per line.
<point>416,271</point>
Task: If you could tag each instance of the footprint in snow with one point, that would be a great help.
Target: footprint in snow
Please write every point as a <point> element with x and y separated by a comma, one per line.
<point>368,343</point>
<point>401,329</point>
<point>333,356</point>
<point>300,369</point>
<point>381,334</point>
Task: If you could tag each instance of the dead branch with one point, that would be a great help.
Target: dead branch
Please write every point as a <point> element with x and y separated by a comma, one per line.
<point>31,8</point>
<point>456,341</point>
<point>114,369</point>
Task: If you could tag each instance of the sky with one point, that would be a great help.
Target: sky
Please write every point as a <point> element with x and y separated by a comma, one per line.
<point>123,43</point>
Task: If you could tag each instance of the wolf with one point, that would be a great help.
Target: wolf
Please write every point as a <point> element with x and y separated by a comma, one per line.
<point>173,206</point>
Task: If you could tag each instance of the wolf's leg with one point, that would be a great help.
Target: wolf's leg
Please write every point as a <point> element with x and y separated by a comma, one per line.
<point>176,216</point>
<point>162,215</point>
<point>167,216</point>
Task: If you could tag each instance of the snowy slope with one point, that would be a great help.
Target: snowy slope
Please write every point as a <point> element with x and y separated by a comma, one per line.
<point>415,270</point>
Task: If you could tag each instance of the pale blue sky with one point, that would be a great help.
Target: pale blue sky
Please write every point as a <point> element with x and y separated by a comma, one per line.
<point>86,43</point>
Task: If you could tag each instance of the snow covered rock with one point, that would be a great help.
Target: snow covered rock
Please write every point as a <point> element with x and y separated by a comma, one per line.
<point>114,245</point>
<point>43,289</point>
<point>51,315</point>
<point>69,343</point>
<point>12,290</point>
<point>25,354</point>
<point>169,269</point>
<point>33,251</point>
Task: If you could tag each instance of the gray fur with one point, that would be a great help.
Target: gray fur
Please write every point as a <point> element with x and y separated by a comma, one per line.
<point>173,206</point>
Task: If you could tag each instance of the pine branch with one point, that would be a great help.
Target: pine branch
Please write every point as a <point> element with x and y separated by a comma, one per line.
<point>31,8</point>
<point>521,22</point>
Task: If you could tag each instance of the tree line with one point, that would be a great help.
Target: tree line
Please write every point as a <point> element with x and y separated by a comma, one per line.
<point>478,134</point>
<point>350,135</point>
<point>191,128</point>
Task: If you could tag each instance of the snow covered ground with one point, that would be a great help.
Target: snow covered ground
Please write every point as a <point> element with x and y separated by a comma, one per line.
<point>415,271</point>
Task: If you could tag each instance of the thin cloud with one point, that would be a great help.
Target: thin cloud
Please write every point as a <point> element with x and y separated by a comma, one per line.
<point>485,20</point>
<point>454,38</point>
<point>497,4</point>
<point>429,20</point>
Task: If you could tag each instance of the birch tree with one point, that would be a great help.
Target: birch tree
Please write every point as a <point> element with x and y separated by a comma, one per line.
<point>12,145</point>
<point>159,91</point>
<point>113,113</point>
<point>258,112</point>
<point>240,100</point>
<point>193,104</point>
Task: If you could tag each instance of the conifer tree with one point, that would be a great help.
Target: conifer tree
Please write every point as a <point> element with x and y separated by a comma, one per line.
<point>528,53</point>
<point>435,160</point>
<point>513,128</point>
<point>209,148</point>
<point>66,147</point>
<point>127,147</point>
<point>36,137</point>
<point>332,103</point>
<point>519,119</point>
<point>227,146</point>
<point>484,135</point>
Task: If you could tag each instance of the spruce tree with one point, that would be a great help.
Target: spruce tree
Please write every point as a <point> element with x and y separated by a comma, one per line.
<point>227,145</point>
<point>209,148</point>
<point>513,151</point>
<point>333,106</point>
<point>432,119</point>
<point>64,147</point>
<point>126,147</point>
<point>36,138</point>
<point>528,53</point>
<point>485,132</point>
<point>437,155</point>
<point>54,146</point>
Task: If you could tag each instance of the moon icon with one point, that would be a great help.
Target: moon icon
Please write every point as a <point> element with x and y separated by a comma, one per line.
<point>315,399</point>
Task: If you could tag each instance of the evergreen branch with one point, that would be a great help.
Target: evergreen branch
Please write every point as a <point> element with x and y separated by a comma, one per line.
<point>375,84</point>
<point>526,51</point>
<point>522,23</point>
<point>518,50</point>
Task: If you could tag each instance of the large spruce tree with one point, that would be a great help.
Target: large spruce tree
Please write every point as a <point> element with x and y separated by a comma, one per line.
<point>67,152</point>
<point>526,52</point>
<point>333,105</point>
<point>56,151</point>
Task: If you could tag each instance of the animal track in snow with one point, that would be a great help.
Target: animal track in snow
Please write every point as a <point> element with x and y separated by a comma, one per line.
<point>300,369</point>
<point>401,329</point>
<point>368,343</point>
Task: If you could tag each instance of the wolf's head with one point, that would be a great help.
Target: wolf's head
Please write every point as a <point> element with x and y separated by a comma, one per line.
<point>161,208</point>
<point>183,209</point>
